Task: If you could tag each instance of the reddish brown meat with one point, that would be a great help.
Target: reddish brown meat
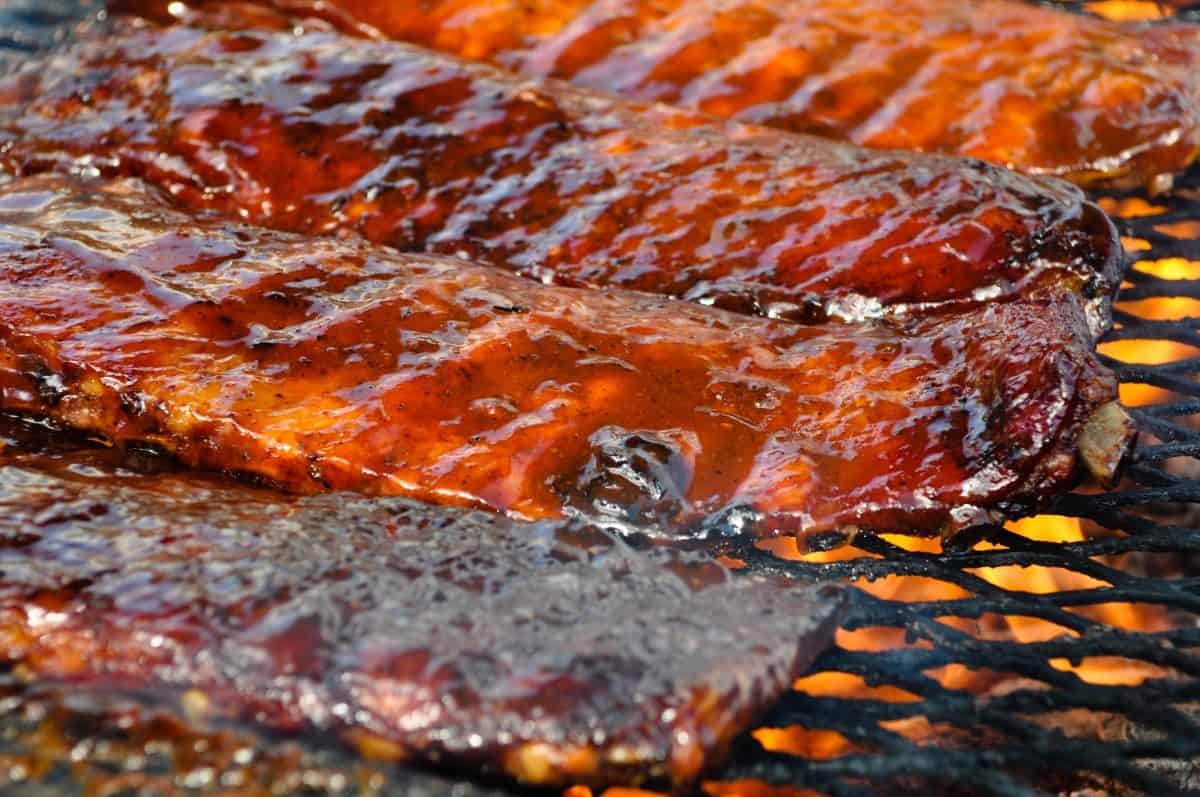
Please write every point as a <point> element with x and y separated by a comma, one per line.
<point>318,364</point>
<point>1043,90</point>
<point>545,652</point>
<point>320,134</point>
<point>60,741</point>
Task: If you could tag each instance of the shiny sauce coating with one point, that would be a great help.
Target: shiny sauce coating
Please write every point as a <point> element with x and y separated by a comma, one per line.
<point>317,364</point>
<point>547,652</point>
<point>1038,89</point>
<point>318,133</point>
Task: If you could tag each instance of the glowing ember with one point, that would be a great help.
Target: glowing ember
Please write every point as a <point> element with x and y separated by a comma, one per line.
<point>1046,580</point>
<point>1174,308</point>
<point>1128,10</point>
<point>1157,351</point>
<point>817,745</point>
<point>840,684</point>
<point>752,789</point>
<point>1129,208</point>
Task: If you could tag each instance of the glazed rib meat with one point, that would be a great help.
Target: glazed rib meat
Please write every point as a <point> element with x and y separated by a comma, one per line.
<point>323,363</point>
<point>545,652</point>
<point>1040,89</point>
<point>320,134</point>
<point>71,742</point>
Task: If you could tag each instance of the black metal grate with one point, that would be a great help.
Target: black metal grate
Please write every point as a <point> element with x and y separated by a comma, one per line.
<point>1149,522</point>
<point>1046,732</point>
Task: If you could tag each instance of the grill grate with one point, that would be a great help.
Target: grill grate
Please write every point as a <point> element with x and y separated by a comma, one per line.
<point>1151,517</point>
<point>1047,731</point>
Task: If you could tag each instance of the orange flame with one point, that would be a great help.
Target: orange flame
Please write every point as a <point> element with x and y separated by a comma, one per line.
<point>1156,352</point>
<point>1128,10</point>
<point>1044,580</point>
<point>819,743</point>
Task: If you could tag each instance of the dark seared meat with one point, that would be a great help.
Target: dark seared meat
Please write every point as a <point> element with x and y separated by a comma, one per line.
<point>545,652</point>
<point>324,363</point>
<point>56,741</point>
<point>320,134</point>
<point>1043,90</point>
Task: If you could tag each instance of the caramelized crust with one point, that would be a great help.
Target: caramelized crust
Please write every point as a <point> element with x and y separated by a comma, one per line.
<point>318,364</point>
<point>318,134</point>
<point>1035,88</point>
<point>547,652</point>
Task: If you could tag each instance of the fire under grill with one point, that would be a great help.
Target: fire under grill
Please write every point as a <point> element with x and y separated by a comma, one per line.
<point>1058,655</point>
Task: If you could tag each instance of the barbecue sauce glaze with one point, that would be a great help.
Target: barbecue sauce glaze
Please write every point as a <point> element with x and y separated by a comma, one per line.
<point>547,652</point>
<point>322,134</point>
<point>318,364</point>
<point>1038,89</point>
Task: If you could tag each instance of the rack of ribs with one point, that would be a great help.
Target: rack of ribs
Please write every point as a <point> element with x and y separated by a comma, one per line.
<point>315,364</point>
<point>1034,88</point>
<point>320,134</point>
<point>547,653</point>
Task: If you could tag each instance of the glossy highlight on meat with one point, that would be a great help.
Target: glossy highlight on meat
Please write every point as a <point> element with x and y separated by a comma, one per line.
<point>545,652</point>
<point>317,364</point>
<point>1039,89</point>
<point>321,134</point>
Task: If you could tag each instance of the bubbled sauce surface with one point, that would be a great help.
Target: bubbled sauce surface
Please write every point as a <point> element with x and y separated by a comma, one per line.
<point>1035,88</point>
<point>319,134</point>
<point>546,652</point>
<point>318,364</point>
